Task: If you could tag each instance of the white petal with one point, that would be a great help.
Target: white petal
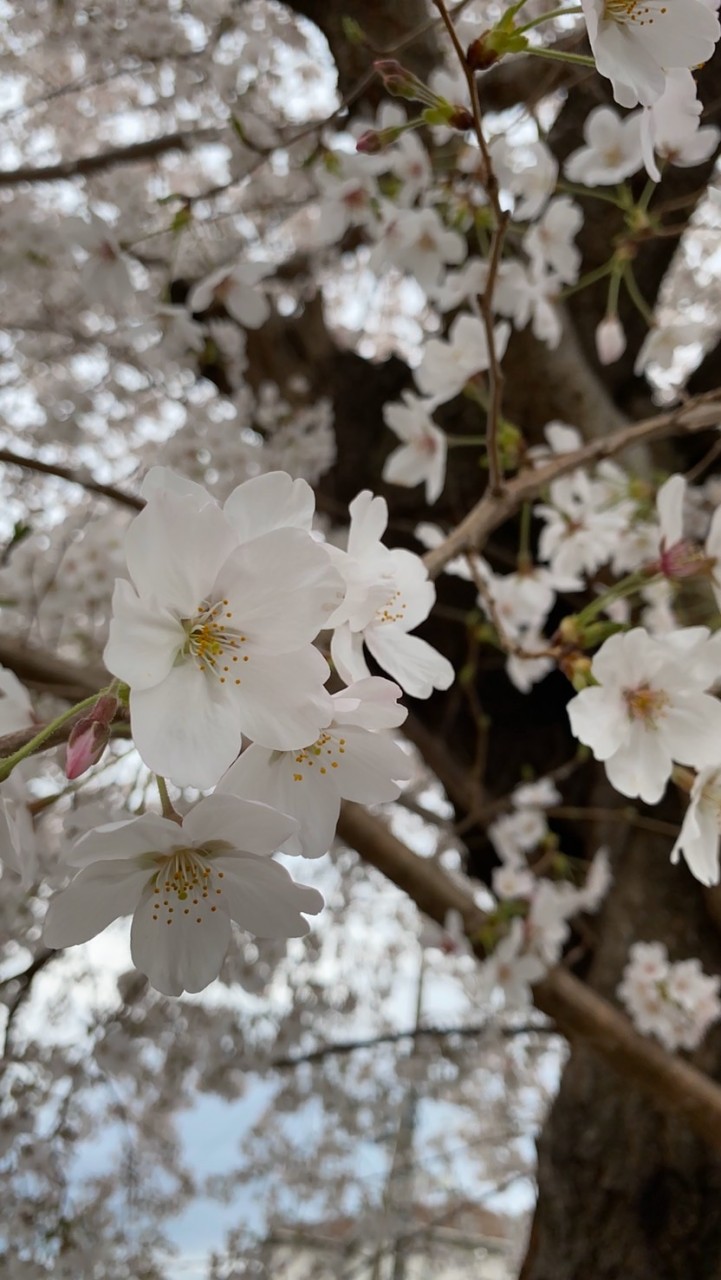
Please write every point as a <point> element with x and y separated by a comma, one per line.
<point>371,703</point>
<point>144,639</point>
<point>262,897</point>
<point>271,501</point>
<point>184,955</point>
<point>370,764</point>
<point>175,549</point>
<point>131,838</point>
<point>415,664</point>
<point>188,728</point>
<point>346,651</point>
<point>283,588</point>
<point>277,779</point>
<point>369,518</point>
<point>282,703</point>
<point>598,719</point>
<point>247,826</point>
<point>98,895</point>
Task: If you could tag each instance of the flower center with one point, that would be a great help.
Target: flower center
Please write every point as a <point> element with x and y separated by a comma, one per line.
<point>393,609</point>
<point>316,756</point>
<point>638,11</point>
<point>184,886</point>
<point>213,642</point>
<point>644,703</point>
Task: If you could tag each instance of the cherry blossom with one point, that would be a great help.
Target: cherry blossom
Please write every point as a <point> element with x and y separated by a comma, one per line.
<point>698,839</point>
<point>237,289</point>
<point>352,759</point>
<point>649,709</point>
<point>612,151</point>
<point>671,127</point>
<point>422,454</point>
<point>448,364</point>
<point>183,884</point>
<point>388,594</point>
<point>214,637</point>
<point>677,1003</point>
<point>634,45</point>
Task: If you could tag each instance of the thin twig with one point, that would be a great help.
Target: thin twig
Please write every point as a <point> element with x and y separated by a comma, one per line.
<point>501,217</point>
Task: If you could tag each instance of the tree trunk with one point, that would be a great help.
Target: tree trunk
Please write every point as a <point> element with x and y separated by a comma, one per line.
<point>626,1192</point>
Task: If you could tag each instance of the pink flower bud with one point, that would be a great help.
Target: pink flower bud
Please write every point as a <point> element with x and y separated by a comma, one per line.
<point>400,82</point>
<point>610,340</point>
<point>90,736</point>
<point>86,744</point>
<point>369,143</point>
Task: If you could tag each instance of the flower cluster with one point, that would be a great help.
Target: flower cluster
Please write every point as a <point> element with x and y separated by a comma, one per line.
<point>214,637</point>
<point>675,1002</point>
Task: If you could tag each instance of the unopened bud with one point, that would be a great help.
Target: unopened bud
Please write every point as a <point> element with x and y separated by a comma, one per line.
<point>461,119</point>
<point>86,744</point>
<point>610,340</point>
<point>480,55</point>
<point>373,141</point>
<point>685,559</point>
<point>400,82</point>
<point>90,736</point>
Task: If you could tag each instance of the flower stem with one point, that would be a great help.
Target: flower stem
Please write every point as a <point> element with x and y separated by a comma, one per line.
<point>546,17</point>
<point>8,763</point>
<point>556,55</point>
<point>626,587</point>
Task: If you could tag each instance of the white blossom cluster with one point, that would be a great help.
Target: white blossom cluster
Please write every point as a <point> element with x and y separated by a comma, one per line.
<point>535,900</point>
<point>213,635</point>
<point>674,1001</point>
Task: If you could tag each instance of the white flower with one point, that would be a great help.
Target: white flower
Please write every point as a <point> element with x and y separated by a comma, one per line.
<point>183,884</point>
<point>698,839</point>
<point>581,530</point>
<point>671,127</point>
<point>422,456</point>
<point>447,365</point>
<point>612,151</point>
<point>532,795</point>
<point>634,43</point>
<point>416,241</point>
<point>350,760</point>
<point>388,594</point>
<point>515,834</point>
<point>512,968</point>
<point>528,172</point>
<point>674,1002</point>
<point>550,240</point>
<point>236,288</point>
<point>648,710</point>
<point>105,276</point>
<point>214,636</point>
<point>530,294</point>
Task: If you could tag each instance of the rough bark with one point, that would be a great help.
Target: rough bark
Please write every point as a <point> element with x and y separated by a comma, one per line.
<point>625,1192</point>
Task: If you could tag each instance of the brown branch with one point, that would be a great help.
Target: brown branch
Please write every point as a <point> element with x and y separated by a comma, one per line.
<point>501,219</point>
<point>82,166</point>
<point>669,1082</point>
<point>491,512</point>
<point>341,1047</point>
<point>72,477</point>
<point>35,667</point>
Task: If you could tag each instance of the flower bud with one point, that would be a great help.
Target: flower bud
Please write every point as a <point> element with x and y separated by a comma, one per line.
<point>480,55</point>
<point>86,744</point>
<point>610,340</point>
<point>400,82</point>
<point>90,736</point>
